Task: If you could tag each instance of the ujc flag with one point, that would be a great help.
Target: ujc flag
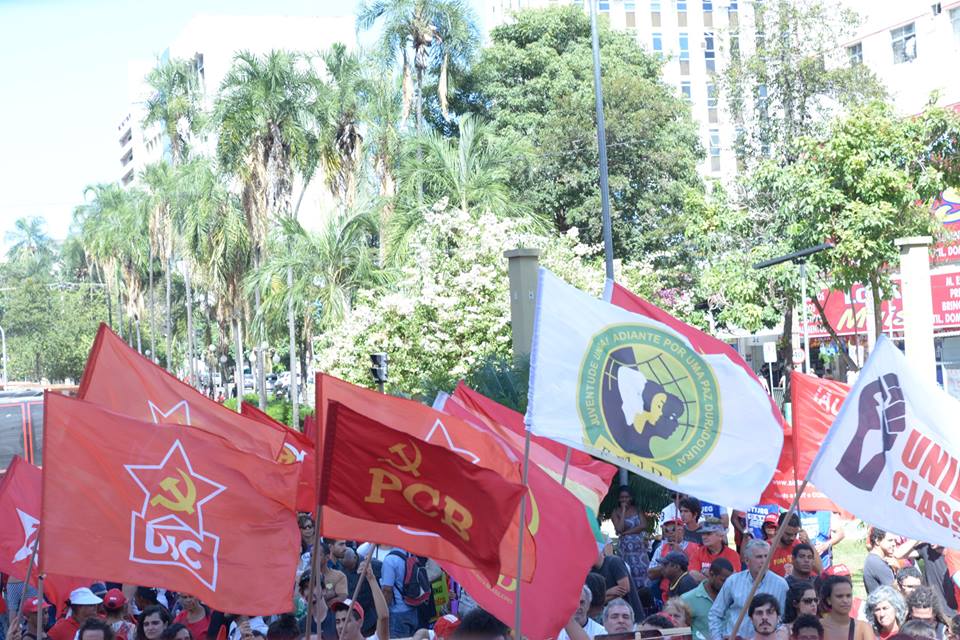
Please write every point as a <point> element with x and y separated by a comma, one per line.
<point>891,456</point>
<point>632,390</point>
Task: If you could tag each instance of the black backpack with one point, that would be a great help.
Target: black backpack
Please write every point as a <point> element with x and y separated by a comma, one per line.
<point>416,585</point>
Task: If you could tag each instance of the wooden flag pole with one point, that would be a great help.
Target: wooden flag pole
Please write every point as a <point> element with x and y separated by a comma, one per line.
<point>314,566</point>
<point>523,525</point>
<point>566,466</point>
<point>26,582</point>
<point>363,576</point>
<point>766,564</point>
<point>40,607</point>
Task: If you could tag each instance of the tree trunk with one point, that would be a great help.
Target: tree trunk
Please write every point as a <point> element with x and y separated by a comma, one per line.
<point>877,302</point>
<point>136,320</point>
<point>786,352</point>
<point>258,336</point>
<point>844,356</point>
<point>191,347</point>
<point>169,310</point>
<point>153,311</point>
<point>238,364</point>
<point>294,387</point>
<point>120,311</point>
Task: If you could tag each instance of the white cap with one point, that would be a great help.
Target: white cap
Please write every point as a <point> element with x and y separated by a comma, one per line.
<point>83,596</point>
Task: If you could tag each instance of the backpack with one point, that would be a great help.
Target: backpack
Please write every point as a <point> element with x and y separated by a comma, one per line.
<point>416,587</point>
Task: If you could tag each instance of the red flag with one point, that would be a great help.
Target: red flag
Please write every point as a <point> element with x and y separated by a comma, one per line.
<point>297,448</point>
<point>513,420</point>
<point>388,476</point>
<point>169,505</point>
<point>310,427</point>
<point>815,403</point>
<point>20,492</point>
<point>424,423</point>
<point>566,549</point>
<point>122,380</point>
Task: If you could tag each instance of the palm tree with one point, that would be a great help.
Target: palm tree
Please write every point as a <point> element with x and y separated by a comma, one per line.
<point>28,239</point>
<point>266,115</point>
<point>161,187</point>
<point>341,143</point>
<point>383,106</point>
<point>174,104</point>
<point>424,35</point>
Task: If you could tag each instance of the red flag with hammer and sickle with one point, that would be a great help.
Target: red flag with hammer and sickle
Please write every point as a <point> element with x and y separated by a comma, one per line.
<point>298,448</point>
<point>20,492</point>
<point>122,380</point>
<point>391,477</point>
<point>166,505</point>
<point>474,444</point>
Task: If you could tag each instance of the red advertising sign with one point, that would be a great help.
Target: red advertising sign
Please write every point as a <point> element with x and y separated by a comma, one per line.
<point>847,312</point>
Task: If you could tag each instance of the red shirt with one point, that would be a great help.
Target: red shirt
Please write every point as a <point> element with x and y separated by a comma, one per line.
<point>782,556</point>
<point>701,558</point>
<point>197,629</point>
<point>65,629</point>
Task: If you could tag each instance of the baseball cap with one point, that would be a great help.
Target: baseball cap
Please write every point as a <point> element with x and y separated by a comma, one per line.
<point>99,589</point>
<point>674,520</point>
<point>114,600</point>
<point>837,570</point>
<point>446,625</point>
<point>712,525</point>
<point>31,605</point>
<point>346,603</point>
<point>84,596</point>
<point>771,518</point>
<point>677,558</point>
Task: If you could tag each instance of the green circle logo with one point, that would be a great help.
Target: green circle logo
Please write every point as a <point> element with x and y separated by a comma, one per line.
<point>647,397</point>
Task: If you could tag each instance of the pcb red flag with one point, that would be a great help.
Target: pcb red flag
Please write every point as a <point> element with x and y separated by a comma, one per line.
<point>391,477</point>
<point>122,380</point>
<point>168,505</point>
<point>20,492</point>
<point>468,441</point>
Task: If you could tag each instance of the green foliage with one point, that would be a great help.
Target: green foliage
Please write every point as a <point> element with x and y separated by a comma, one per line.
<point>649,496</point>
<point>277,408</point>
<point>535,84</point>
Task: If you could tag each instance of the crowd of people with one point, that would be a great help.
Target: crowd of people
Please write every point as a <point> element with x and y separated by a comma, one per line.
<point>692,580</point>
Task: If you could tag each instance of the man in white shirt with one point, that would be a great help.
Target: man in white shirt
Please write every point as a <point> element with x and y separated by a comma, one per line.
<point>589,627</point>
<point>732,598</point>
<point>617,618</point>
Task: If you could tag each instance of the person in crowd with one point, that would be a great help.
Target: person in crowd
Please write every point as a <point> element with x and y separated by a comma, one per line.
<point>673,531</point>
<point>876,567</point>
<point>782,560</point>
<point>836,600</point>
<point>403,618</point>
<point>679,611</point>
<point>348,614</point>
<point>937,575</point>
<point>714,546</point>
<point>93,628</point>
<point>338,548</point>
<point>631,528</point>
<point>145,597</point>
<point>803,563</point>
<point>334,582</point>
<point>922,604</point>
<point>764,613</point>
<point>802,599</point>
<point>653,626</point>
<point>178,631</point>
<point>117,616</point>
<point>954,633</point>
<point>151,622</point>
<point>690,510</point>
<point>618,616</point>
<point>285,627</point>
<point>619,583</point>
<point>193,615</point>
<point>598,591</point>
<point>307,532</point>
<point>908,579</point>
<point>733,596</point>
<point>27,629</point>
<point>351,568</point>
<point>244,628</point>
<point>678,578</point>
<point>589,626</point>
<point>886,611</point>
<point>918,630</point>
<point>768,529</point>
<point>480,625</point>
<point>701,599</point>
<point>806,627</point>
<point>82,604</point>
<point>445,626</point>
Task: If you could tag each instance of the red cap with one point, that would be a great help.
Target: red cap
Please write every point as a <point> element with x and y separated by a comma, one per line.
<point>446,625</point>
<point>114,600</point>
<point>31,605</point>
<point>346,603</point>
<point>675,520</point>
<point>771,518</point>
<point>837,570</point>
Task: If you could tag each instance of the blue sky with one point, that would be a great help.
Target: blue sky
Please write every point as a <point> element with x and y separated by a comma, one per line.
<point>63,66</point>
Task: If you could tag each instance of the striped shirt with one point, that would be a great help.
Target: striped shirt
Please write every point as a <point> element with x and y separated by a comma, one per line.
<point>733,598</point>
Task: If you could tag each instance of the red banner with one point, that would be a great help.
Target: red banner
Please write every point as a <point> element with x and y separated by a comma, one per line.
<point>297,448</point>
<point>169,506</point>
<point>390,477</point>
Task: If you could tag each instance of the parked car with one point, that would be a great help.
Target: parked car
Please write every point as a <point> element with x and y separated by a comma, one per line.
<point>21,425</point>
<point>270,381</point>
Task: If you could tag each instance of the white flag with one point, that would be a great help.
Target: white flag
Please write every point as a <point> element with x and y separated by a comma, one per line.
<point>891,456</point>
<point>631,390</point>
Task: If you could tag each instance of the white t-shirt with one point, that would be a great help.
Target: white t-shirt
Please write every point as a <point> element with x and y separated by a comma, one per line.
<point>592,628</point>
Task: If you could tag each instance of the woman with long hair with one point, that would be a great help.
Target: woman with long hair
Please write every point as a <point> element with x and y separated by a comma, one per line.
<point>836,598</point>
<point>802,599</point>
<point>151,622</point>
<point>631,528</point>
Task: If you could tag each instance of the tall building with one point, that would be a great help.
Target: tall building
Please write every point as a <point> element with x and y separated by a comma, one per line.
<point>695,38</point>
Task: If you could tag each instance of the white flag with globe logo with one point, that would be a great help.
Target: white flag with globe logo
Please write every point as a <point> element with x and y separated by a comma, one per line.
<point>631,390</point>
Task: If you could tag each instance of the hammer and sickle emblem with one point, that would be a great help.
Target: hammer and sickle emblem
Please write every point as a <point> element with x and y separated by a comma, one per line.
<point>406,464</point>
<point>180,502</point>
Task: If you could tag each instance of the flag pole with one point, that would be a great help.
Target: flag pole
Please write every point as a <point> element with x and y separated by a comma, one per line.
<point>523,525</point>
<point>26,582</point>
<point>766,564</point>
<point>566,466</point>
<point>363,576</point>
<point>40,607</point>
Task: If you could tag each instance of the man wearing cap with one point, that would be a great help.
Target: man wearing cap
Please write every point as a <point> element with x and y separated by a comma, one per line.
<point>348,614</point>
<point>673,531</point>
<point>115,608</point>
<point>714,546</point>
<point>83,604</point>
<point>675,571</point>
<point>27,630</point>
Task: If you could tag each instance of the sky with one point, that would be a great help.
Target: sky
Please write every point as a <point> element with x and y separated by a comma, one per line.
<point>63,65</point>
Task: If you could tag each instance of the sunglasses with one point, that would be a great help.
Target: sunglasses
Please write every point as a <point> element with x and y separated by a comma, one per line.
<point>309,525</point>
<point>813,600</point>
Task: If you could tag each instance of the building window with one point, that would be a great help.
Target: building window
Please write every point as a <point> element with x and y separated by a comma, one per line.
<point>955,21</point>
<point>681,13</point>
<point>654,6</point>
<point>686,88</point>
<point>684,47</point>
<point>707,5</point>
<point>604,5</point>
<point>681,6</point>
<point>714,149</point>
<point>629,6</point>
<point>658,42</point>
<point>734,45</point>
<point>732,7</point>
<point>711,95</point>
<point>709,52</point>
<point>904,43</point>
<point>655,13</point>
<point>855,54</point>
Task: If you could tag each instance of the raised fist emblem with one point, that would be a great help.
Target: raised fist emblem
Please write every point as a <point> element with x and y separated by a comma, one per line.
<point>882,417</point>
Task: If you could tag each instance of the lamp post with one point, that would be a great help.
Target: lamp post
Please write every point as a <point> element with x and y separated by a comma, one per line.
<point>800,257</point>
<point>379,369</point>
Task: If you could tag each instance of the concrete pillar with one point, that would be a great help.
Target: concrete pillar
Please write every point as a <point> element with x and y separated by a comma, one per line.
<point>522,265</point>
<point>917,303</point>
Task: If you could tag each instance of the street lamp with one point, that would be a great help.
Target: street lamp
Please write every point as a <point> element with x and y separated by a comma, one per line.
<point>379,369</point>
<point>800,257</point>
